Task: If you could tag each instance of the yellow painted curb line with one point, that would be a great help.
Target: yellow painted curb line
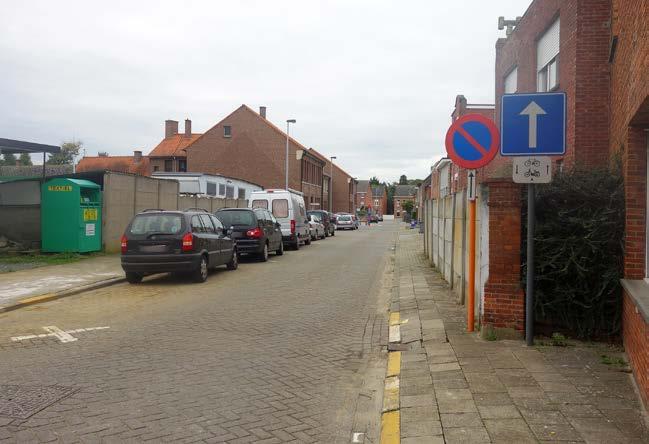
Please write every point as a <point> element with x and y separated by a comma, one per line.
<point>40,298</point>
<point>391,394</point>
<point>394,363</point>
<point>395,318</point>
<point>391,428</point>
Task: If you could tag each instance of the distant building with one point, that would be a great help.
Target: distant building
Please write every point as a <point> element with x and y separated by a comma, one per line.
<point>135,164</point>
<point>363,194</point>
<point>169,155</point>
<point>379,199</point>
<point>403,194</point>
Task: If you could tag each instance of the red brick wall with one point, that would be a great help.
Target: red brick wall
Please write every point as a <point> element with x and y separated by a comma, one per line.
<point>255,152</point>
<point>636,344</point>
<point>629,104</point>
<point>504,305</point>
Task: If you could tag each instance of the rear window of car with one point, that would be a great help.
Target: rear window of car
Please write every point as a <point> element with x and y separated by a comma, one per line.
<point>157,223</point>
<point>280,208</point>
<point>236,218</point>
<point>260,203</point>
<point>344,218</point>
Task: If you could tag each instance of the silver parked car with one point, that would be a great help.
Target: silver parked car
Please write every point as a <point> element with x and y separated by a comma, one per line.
<point>316,228</point>
<point>345,222</point>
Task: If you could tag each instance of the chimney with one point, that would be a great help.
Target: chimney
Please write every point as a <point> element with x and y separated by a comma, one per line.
<point>262,111</point>
<point>137,156</point>
<point>188,128</point>
<point>103,154</point>
<point>171,128</point>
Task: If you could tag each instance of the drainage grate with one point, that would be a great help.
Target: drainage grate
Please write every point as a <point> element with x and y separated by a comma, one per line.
<point>22,401</point>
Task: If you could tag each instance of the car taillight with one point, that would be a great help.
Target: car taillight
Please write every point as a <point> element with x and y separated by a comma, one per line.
<point>188,242</point>
<point>292,226</point>
<point>255,233</point>
<point>124,242</point>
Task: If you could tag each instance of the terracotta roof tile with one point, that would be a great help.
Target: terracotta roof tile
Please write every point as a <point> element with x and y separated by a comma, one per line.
<point>174,146</point>
<point>121,164</point>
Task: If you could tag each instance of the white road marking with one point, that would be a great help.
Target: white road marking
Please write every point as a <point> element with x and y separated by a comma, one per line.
<point>395,334</point>
<point>358,437</point>
<point>62,335</point>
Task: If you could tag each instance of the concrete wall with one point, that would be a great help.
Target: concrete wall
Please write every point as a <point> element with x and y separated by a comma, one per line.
<point>124,195</point>
<point>20,212</point>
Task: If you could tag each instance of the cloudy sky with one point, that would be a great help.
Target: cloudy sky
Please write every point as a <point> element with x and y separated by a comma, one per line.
<point>372,82</point>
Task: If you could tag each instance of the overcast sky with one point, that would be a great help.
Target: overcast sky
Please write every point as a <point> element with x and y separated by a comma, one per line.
<point>372,82</point>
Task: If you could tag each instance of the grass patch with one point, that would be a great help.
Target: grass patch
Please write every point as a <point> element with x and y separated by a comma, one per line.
<point>44,258</point>
<point>613,361</point>
<point>559,340</point>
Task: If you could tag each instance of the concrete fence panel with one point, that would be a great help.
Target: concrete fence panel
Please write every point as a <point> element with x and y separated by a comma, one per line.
<point>118,208</point>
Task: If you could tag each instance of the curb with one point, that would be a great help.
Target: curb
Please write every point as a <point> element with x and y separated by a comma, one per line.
<point>61,294</point>
<point>391,414</point>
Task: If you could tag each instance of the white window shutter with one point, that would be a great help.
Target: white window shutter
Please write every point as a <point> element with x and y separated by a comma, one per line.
<point>511,81</point>
<point>547,47</point>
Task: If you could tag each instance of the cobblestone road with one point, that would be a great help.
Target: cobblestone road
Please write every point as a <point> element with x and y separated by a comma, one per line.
<point>284,351</point>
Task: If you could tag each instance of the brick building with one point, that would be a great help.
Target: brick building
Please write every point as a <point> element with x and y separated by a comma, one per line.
<point>169,155</point>
<point>344,186</point>
<point>363,194</point>
<point>629,137</point>
<point>380,199</point>
<point>135,164</point>
<point>403,194</point>
<point>248,146</point>
<point>597,52</point>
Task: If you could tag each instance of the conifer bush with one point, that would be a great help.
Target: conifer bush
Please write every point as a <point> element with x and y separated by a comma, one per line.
<point>579,253</point>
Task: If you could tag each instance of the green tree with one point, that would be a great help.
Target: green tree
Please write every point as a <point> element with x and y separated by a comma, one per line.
<point>25,159</point>
<point>408,206</point>
<point>9,159</point>
<point>390,187</point>
<point>403,180</point>
<point>374,181</point>
<point>69,150</point>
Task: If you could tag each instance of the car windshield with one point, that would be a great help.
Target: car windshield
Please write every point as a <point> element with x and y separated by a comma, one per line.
<point>156,223</point>
<point>236,218</point>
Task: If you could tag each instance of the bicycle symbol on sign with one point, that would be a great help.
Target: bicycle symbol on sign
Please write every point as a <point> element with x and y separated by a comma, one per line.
<point>532,166</point>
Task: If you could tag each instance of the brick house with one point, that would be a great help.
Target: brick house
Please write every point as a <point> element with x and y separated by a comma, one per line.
<point>344,186</point>
<point>597,52</point>
<point>363,194</point>
<point>628,134</point>
<point>403,194</point>
<point>135,164</point>
<point>380,199</point>
<point>248,146</point>
<point>169,155</point>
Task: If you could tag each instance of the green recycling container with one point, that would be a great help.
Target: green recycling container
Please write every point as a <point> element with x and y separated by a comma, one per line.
<point>70,216</point>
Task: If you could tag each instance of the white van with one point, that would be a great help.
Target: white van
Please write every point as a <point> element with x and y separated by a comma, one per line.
<point>289,210</point>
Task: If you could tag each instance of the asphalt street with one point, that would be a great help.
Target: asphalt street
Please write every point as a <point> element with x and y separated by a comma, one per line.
<point>291,350</point>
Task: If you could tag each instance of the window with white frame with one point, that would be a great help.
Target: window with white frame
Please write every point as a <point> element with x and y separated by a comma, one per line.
<point>511,81</point>
<point>547,59</point>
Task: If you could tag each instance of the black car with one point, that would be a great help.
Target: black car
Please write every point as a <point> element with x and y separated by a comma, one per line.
<point>327,220</point>
<point>256,231</point>
<point>189,242</point>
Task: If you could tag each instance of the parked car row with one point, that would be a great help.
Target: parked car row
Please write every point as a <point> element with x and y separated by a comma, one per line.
<point>192,241</point>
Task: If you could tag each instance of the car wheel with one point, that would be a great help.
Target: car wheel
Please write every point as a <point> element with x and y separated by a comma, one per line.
<point>333,233</point>
<point>200,274</point>
<point>134,278</point>
<point>326,234</point>
<point>234,262</point>
<point>307,241</point>
<point>296,245</point>
<point>280,250</point>
<point>263,256</point>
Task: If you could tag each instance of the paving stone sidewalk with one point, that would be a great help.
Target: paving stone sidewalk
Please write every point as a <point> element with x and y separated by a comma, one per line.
<point>459,388</point>
<point>25,284</point>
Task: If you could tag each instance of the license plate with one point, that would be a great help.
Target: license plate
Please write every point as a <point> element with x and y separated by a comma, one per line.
<point>153,248</point>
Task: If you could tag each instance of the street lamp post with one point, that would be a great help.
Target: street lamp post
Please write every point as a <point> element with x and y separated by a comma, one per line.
<point>331,185</point>
<point>287,137</point>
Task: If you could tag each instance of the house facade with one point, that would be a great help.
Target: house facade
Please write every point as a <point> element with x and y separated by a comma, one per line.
<point>380,199</point>
<point>169,156</point>
<point>248,146</point>
<point>363,194</point>
<point>403,194</point>
<point>597,52</point>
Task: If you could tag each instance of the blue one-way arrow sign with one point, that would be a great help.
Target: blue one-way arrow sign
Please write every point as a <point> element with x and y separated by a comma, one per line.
<point>533,124</point>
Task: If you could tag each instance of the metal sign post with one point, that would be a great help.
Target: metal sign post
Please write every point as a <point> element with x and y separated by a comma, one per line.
<point>532,125</point>
<point>472,142</point>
